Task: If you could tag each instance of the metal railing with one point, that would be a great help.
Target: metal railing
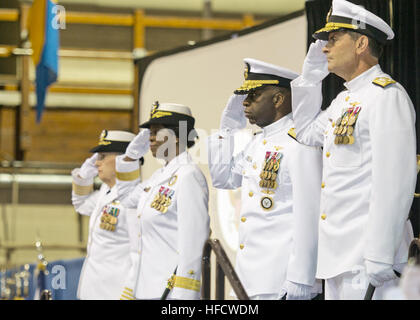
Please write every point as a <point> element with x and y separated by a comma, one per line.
<point>414,252</point>
<point>223,268</point>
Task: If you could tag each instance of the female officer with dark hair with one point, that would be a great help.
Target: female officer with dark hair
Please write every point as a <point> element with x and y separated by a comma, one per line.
<point>172,206</point>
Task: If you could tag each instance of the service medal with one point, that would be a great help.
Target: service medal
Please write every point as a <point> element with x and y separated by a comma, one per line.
<point>113,220</point>
<point>266,203</point>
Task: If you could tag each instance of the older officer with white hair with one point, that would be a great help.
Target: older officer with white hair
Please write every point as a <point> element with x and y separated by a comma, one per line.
<point>280,181</point>
<point>172,206</point>
<point>369,154</point>
<point>109,254</point>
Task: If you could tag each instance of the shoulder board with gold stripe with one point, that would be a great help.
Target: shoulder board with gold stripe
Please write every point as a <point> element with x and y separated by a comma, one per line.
<point>292,133</point>
<point>383,81</point>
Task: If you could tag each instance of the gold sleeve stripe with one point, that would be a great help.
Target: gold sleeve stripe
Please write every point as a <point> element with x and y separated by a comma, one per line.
<point>123,297</point>
<point>128,176</point>
<point>128,289</point>
<point>128,293</point>
<point>82,190</point>
<point>187,283</point>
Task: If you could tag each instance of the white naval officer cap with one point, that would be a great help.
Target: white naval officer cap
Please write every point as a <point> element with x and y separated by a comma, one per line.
<point>347,15</point>
<point>113,141</point>
<point>259,73</point>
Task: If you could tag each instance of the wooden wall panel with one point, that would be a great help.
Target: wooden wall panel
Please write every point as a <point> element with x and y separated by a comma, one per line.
<point>68,135</point>
<point>7,133</point>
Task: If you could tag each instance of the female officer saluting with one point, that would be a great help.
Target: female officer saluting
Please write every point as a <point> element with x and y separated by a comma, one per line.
<point>109,255</point>
<point>172,206</point>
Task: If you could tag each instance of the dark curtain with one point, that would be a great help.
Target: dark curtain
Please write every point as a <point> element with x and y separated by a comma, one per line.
<point>406,69</point>
<point>400,58</point>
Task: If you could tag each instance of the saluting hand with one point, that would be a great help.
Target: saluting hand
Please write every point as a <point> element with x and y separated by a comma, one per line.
<point>88,168</point>
<point>233,116</point>
<point>315,65</point>
<point>139,146</point>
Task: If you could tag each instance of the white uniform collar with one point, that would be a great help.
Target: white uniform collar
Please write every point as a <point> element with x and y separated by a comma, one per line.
<point>281,124</point>
<point>107,188</point>
<point>180,159</point>
<point>360,81</point>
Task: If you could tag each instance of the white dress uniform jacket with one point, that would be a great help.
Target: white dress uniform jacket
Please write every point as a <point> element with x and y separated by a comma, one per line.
<point>172,234</point>
<point>277,243</point>
<point>108,260</point>
<point>368,186</point>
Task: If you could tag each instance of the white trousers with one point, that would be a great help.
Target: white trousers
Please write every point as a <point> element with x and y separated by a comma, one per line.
<point>353,286</point>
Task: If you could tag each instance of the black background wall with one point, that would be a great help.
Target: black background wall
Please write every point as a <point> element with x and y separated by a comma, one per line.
<point>401,58</point>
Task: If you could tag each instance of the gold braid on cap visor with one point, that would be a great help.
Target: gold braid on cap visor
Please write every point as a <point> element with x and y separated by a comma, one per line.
<point>158,114</point>
<point>330,26</point>
<point>253,84</point>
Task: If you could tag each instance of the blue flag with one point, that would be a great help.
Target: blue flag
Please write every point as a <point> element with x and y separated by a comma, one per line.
<point>44,36</point>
